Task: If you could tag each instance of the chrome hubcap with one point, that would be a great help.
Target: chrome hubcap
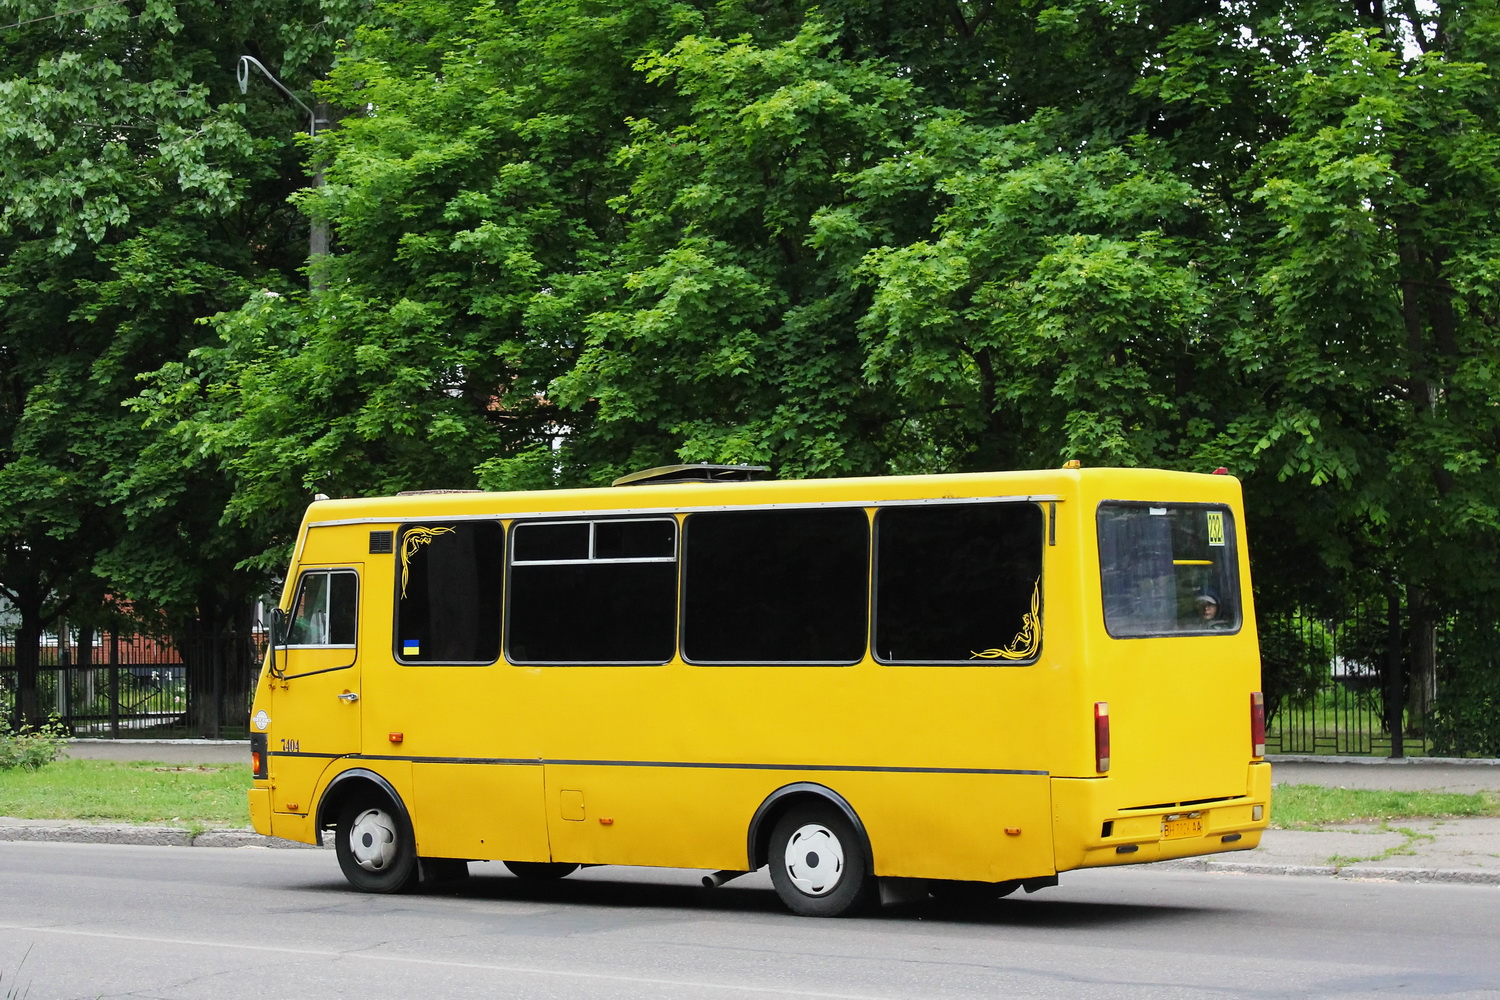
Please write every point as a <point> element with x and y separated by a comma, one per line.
<point>814,859</point>
<point>372,840</point>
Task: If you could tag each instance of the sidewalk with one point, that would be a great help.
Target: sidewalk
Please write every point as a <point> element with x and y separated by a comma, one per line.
<point>1453,850</point>
<point>1428,850</point>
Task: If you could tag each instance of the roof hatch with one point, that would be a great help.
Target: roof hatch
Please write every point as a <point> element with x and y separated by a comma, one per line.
<point>698,473</point>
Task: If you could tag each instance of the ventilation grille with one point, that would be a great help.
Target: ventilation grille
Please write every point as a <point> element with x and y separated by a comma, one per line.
<point>382,542</point>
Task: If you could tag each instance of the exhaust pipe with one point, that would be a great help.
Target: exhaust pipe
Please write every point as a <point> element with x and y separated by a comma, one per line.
<point>719,878</point>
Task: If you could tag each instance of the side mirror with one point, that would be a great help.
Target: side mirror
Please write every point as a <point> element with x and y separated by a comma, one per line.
<point>280,626</point>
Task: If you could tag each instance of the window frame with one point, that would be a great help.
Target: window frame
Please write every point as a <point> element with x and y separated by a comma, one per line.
<point>330,572</point>
<point>1232,546</point>
<point>592,520</point>
<point>399,542</point>
<point>1043,543</point>
<point>593,523</point>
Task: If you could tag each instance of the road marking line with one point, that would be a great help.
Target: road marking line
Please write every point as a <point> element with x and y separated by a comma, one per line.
<point>487,967</point>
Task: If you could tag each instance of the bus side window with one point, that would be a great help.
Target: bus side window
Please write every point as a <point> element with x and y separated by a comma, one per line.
<point>958,583</point>
<point>326,609</point>
<point>592,591</point>
<point>448,592</point>
<point>776,586</point>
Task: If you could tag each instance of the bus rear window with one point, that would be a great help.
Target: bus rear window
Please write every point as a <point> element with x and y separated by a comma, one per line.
<point>1168,569</point>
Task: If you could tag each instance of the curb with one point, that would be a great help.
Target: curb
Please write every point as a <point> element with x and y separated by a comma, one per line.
<point>1447,876</point>
<point>1308,758</point>
<point>41,831</point>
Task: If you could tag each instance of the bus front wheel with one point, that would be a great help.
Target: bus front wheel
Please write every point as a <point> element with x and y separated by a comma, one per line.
<point>375,846</point>
<point>818,863</point>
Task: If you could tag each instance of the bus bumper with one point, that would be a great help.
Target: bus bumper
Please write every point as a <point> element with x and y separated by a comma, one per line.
<point>1091,831</point>
<point>287,826</point>
<point>260,810</point>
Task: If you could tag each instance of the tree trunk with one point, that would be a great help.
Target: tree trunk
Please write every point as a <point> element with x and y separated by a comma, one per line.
<point>196,650</point>
<point>88,676</point>
<point>1421,690</point>
<point>242,668</point>
<point>28,667</point>
<point>220,666</point>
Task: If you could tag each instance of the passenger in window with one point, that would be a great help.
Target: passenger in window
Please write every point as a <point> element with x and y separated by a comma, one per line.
<point>1206,605</point>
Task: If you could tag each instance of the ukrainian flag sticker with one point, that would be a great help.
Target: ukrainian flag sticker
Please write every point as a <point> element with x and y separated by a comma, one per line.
<point>411,647</point>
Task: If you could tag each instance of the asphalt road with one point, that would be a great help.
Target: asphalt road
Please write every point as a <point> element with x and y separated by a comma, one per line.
<point>108,921</point>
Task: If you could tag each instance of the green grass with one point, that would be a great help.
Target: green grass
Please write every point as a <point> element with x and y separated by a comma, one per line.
<point>15,992</point>
<point>1305,807</point>
<point>197,797</point>
<point>188,796</point>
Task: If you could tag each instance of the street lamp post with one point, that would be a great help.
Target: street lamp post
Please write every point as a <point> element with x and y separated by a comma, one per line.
<point>317,240</point>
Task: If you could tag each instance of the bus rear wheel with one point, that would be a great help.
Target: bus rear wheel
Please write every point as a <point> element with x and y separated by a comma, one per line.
<point>375,846</point>
<point>540,871</point>
<point>818,863</point>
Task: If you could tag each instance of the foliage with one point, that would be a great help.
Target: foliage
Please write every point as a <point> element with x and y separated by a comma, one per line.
<point>143,193</point>
<point>30,747</point>
<point>731,339</point>
<point>1296,658</point>
<point>1466,718</point>
<point>470,213</point>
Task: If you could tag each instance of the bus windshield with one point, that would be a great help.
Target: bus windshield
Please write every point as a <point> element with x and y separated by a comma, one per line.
<point>1168,569</point>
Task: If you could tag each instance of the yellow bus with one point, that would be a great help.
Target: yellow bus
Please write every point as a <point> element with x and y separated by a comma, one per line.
<point>877,687</point>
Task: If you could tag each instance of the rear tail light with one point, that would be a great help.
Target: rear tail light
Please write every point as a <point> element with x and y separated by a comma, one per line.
<point>1101,736</point>
<point>1257,724</point>
<point>258,761</point>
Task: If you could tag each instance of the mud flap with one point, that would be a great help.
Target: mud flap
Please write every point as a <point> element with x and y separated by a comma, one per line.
<point>899,891</point>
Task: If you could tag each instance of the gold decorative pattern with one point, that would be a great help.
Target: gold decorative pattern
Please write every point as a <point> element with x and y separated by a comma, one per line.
<point>1028,640</point>
<point>413,540</point>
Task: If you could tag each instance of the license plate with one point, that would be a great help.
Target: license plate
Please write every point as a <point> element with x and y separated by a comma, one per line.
<point>1185,826</point>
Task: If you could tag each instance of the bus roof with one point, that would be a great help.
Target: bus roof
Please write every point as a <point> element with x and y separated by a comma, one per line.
<point>1034,485</point>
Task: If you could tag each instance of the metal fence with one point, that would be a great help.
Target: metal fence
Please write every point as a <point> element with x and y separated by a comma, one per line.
<point>1333,678</point>
<point>122,686</point>
<point>1326,686</point>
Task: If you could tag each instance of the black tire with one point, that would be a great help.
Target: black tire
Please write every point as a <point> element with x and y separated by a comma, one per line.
<point>819,865</point>
<point>375,846</point>
<point>540,871</point>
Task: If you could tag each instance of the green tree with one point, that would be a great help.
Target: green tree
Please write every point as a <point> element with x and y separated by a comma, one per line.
<point>576,239</point>
<point>142,193</point>
<point>1379,337</point>
<point>472,218</point>
<point>733,338</point>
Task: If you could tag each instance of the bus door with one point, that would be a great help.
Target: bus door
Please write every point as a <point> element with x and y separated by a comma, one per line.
<point>313,706</point>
